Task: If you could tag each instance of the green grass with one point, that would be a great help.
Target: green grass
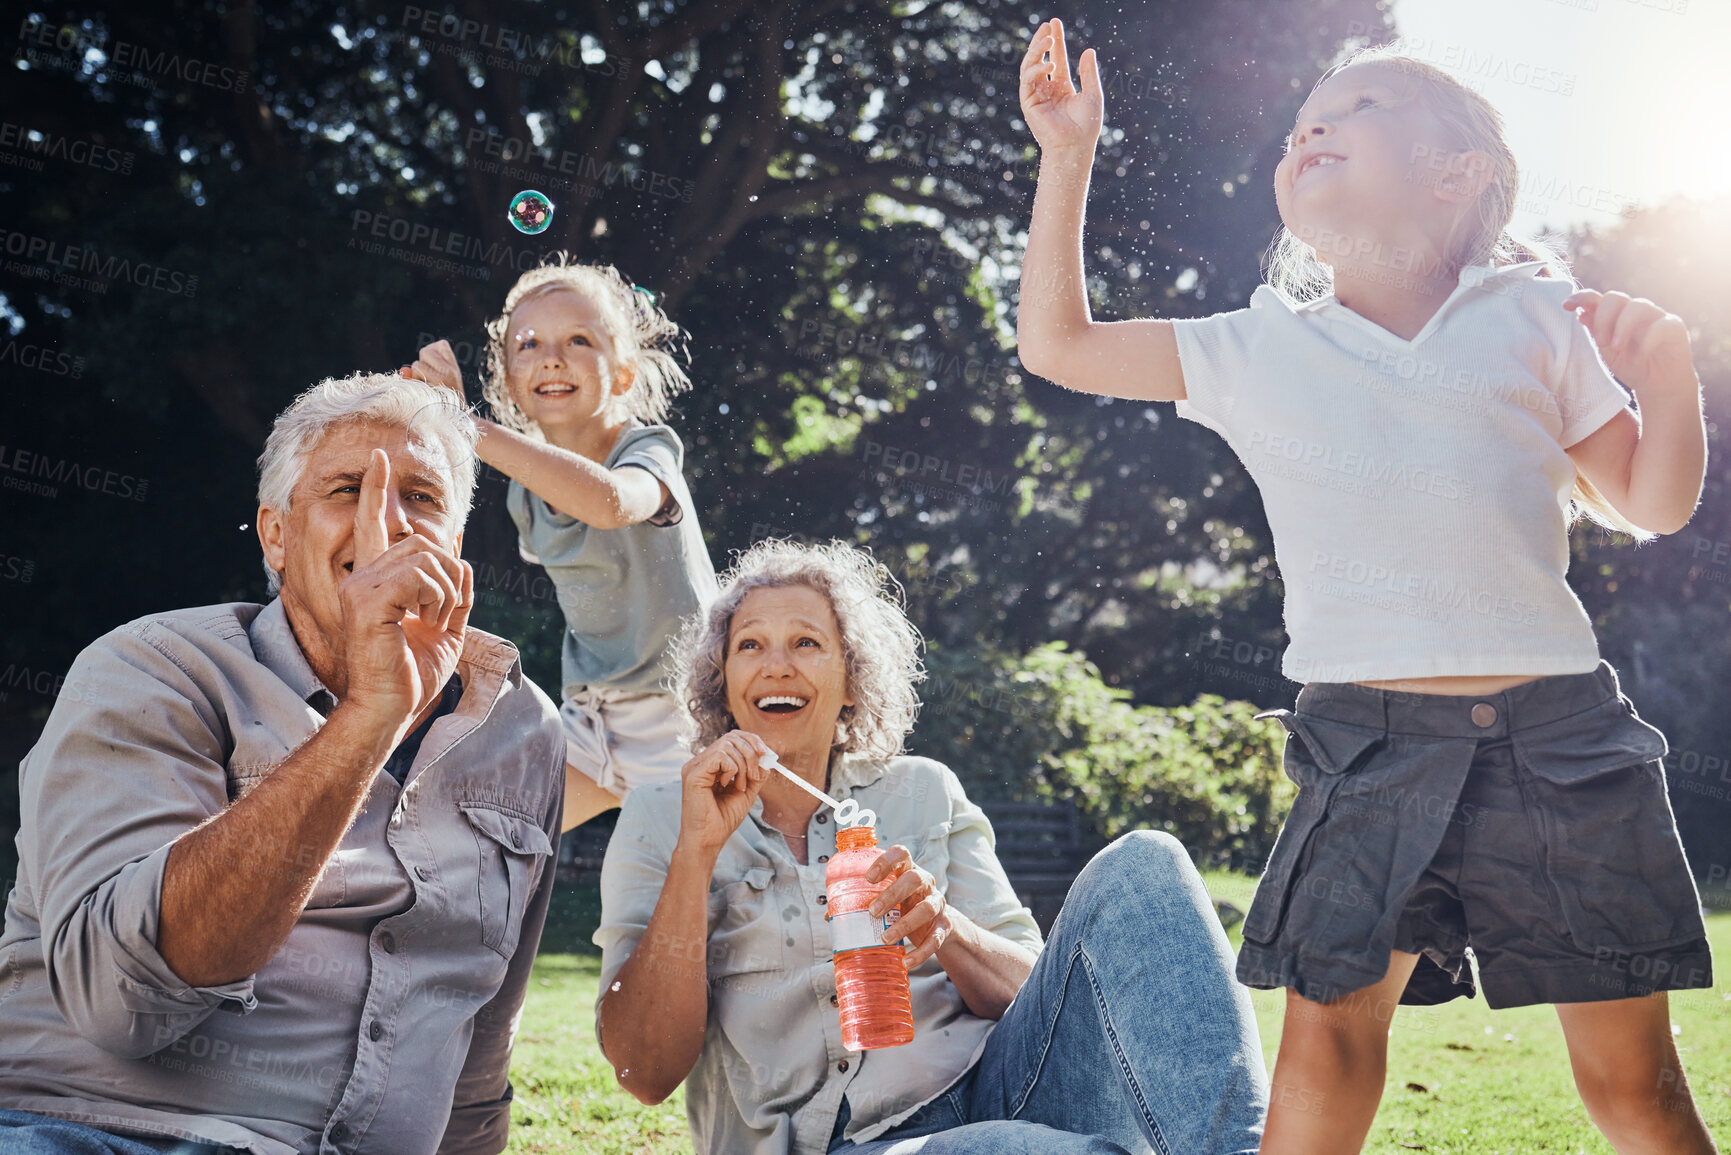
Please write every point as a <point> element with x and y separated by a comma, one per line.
<point>1461,1078</point>
<point>567,1099</point>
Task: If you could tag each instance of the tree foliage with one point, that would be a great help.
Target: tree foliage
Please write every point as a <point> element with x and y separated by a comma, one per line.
<point>1045,726</point>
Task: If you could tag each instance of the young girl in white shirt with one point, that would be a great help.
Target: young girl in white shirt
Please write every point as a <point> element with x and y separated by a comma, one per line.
<point>1424,413</point>
<point>581,375</point>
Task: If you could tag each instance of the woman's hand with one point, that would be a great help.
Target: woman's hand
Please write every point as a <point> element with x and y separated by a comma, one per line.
<point>437,365</point>
<point>925,919</point>
<point>1643,346</point>
<point>720,783</point>
<point>1061,118</point>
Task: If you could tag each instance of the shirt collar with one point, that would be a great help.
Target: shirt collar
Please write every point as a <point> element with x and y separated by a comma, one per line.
<point>277,649</point>
<point>855,772</point>
<point>1473,275</point>
<point>1470,277</point>
<point>274,643</point>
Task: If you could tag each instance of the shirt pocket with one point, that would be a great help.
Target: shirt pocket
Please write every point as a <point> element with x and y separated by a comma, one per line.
<point>745,951</point>
<point>1319,752</point>
<point>1606,833</point>
<point>509,848</point>
<point>746,931</point>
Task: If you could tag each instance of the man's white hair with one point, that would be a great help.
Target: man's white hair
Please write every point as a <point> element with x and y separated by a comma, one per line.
<point>375,399</point>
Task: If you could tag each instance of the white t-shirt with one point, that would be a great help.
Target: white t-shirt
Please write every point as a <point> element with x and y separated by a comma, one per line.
<point>1417,490</point>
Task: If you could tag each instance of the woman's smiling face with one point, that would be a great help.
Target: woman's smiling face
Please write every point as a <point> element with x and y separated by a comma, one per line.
<point>786,670</point>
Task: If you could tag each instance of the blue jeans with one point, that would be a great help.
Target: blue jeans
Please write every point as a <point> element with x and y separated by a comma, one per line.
<point>22,1133</point>
<point>1130,1035</point>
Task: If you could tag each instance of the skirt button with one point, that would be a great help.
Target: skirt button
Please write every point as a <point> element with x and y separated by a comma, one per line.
<point>1484,715</point>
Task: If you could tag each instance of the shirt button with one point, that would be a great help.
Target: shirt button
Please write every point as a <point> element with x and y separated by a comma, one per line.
<point>832,1001</point>
<point>517,839</point>
<point>423,873</point>
<point>339,1132</point>
<point>374,1030</point>
<point>1484,715</point>
<point>841,1066</point>
<point>389,942</point>
<point>823,900</point>
<point>823,858</point>
<point>823,818</point>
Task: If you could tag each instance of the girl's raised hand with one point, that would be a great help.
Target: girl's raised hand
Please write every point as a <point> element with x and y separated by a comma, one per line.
<point>437,365</point>
<point>1644,347</point>
<point>1060,117</point>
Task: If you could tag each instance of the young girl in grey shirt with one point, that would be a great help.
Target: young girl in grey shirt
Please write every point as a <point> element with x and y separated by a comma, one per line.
<point>580,377</point>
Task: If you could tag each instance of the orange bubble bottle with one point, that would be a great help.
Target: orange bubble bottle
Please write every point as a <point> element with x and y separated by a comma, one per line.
<point>871,981</point>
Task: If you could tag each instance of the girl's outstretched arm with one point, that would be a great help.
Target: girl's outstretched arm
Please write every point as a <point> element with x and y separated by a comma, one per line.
<point>1055,335</point>
<point>1650,469</point>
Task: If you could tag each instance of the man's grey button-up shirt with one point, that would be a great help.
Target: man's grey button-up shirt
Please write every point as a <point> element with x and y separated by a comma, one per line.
<point>384,1023</point>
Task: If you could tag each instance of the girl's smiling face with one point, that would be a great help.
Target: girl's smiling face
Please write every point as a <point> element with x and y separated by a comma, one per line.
<point>1357,161</point>
<point>561,363</point>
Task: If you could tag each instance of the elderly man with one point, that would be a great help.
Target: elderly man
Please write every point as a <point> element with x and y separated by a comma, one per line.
<point>283,868</point>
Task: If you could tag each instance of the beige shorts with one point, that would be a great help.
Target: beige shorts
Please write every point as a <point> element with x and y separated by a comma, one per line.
<point>624,739</point>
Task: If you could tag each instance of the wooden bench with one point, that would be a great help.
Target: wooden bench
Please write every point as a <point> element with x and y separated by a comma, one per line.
<point>1041,847</point>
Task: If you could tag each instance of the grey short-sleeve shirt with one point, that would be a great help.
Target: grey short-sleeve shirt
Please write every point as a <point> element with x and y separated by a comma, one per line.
<point>624,592</point>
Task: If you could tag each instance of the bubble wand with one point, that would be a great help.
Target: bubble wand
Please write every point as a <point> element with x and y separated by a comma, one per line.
<point>847,812</point>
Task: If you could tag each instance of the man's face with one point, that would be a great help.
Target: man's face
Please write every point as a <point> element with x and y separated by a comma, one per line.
<point>313,545</point>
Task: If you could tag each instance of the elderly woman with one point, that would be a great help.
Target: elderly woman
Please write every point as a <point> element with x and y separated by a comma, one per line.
<point>1125,1032</point>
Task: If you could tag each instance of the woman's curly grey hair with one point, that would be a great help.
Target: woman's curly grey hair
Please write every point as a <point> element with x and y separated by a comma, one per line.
<point>881,647</point>
<point>643,336</point>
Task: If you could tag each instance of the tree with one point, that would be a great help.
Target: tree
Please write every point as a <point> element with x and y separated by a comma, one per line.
<point>828,195</point>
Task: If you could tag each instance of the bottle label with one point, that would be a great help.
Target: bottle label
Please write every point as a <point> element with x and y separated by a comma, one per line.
<point>858,929</point>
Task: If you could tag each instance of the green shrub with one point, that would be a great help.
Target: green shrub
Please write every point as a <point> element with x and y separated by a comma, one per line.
<point>1045,726</point>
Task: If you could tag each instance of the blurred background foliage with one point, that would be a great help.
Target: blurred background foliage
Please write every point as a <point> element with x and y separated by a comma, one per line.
<point>831,196</point>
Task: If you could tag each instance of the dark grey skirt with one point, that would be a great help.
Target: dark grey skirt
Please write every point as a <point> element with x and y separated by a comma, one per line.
<point>1531,826</point>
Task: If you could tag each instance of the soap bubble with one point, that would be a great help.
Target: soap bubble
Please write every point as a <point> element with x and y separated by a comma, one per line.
<point>531,211</point>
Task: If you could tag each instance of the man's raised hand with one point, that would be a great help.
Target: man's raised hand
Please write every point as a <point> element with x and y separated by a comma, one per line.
<point>405,605</point>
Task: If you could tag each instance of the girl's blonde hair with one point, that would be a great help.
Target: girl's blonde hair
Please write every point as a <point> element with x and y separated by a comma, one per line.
<point>643,337</point>
<point>1292,268</point>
